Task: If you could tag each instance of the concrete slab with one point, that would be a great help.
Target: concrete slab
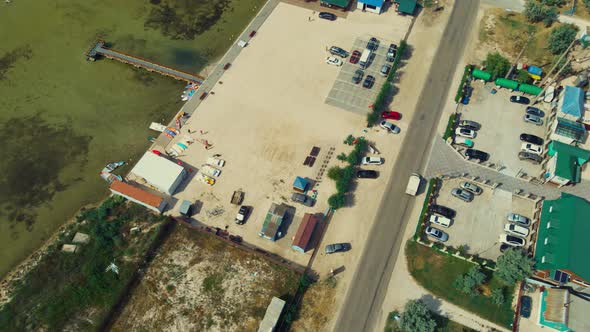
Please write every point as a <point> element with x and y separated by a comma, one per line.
<point>501,125</point>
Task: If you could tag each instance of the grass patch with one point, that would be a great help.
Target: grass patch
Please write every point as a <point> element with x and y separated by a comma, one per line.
<point>508,31</point>
<point>66,289</point>
<point>436,272</point>
<point>213,283</point>
<point>450,126</point>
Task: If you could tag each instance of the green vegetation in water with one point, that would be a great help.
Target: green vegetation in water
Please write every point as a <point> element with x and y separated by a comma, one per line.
<point>63,118</point>
<point>66,290</point>
<point>437,272</point>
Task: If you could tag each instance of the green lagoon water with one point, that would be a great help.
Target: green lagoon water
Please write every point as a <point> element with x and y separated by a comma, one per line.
<point>63,118</point>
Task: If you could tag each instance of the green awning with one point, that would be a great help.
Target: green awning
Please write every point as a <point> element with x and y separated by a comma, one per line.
<point>336,3</point>
<point>406,6</point>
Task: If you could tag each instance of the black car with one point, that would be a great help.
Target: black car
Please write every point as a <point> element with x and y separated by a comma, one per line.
<point>373,44</point>
<point>504,247</point>
<point>520,100</point>
<point>358,76</point>
<point>366,174</point>
<point>443,211</point>
<point>472,125</point>
<point>391,52</point>
<point>369,81</point>
<point>525,306</point>
<point>534,111</point>
<point>477,154</point>
<point>531,157</point>
<point>531,139</point>
<point>242,214</point>
<point>327,16</point>
<point>335,50</point>
<point>337,247</point>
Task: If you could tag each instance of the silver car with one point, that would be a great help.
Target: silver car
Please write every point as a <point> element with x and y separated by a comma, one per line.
<point>462,194</point>
<point>533,119</point>
<point>471,187</point>
<point>437,234</point>
<point>519,220</point>
<point>390,127</point>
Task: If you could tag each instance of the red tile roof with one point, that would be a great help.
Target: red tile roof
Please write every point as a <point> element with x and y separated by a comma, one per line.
<point>305,231</point>
<point>137,193</point>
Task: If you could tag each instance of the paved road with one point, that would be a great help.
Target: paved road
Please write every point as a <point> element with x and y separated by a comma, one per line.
<point>515,5</point>
<point>362,306</point>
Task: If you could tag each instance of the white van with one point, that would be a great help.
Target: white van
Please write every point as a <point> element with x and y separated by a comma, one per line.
<point>516,230</point>
<point>365,58</point>
<point>439,220</point>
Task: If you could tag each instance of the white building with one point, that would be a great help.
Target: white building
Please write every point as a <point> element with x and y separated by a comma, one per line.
<point>159,172</point>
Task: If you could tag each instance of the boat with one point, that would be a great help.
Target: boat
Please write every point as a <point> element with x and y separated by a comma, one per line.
<point>112,166</point>
<point>183,146</point>
<point>157,126</point>
<point>549,94</point>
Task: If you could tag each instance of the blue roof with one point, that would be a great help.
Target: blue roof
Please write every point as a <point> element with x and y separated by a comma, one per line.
<point>300,183</point>
<point>374,3</point>
<point>573,101</point>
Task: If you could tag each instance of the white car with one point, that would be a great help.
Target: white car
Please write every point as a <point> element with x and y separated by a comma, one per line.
<point>512,240</point>
<point>471,187</point>
<point>437,234</point>
<point>372,161</point>
<point>532,148</point>
<point>464,132</point>
<point>333,61</point>
<point>390,127</point>
<point>513,229</point>
<point>439,220</point>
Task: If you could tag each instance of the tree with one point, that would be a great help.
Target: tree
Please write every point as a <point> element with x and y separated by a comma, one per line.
<point>496,64</point>
<point>536,12</point>
<point>561,37</point>
<point>497,296</point>
<point>337,201</point>
<point>468,282</point>
<point>513,266</point>
<point>417,317</point>
<point>335,173</point>
<point>557,3</point>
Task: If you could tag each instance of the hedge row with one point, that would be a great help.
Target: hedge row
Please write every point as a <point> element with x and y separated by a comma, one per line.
<point>380,103</point>
<point>450,126</point>
<point>345,176</point>
<point>433,184</point>
<point>466,73</point>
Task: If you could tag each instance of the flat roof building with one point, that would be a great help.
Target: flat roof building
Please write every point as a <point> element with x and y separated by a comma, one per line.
<point>159,172</point>
<point>271,317</point>
<point>305,232</point>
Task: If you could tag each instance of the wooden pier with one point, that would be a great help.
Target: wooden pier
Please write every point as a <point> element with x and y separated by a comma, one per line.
<point>100,49</point>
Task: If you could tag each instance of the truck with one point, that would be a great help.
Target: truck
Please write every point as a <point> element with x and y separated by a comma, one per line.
<point>365,58</point>
<point>215,162</point>
<point>413,184</point>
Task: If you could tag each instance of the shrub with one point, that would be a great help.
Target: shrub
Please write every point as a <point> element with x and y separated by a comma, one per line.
<point>342,156</point>
<point>561,37</point>
<point>337,200</point>
<point>466,73</point>
<point>335,173</point>
<point>468,282</point>
<point>523,76</point>
<point>497,296</point>
<point>536,12</point>
<point>450,126</point>
<point>497,65</point>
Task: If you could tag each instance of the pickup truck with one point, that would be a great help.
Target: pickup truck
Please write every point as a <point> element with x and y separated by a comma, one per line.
<point>215,162</point>
<point>413,184</point>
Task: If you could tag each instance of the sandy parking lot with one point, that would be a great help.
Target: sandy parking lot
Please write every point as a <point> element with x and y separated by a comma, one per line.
<point>501,125</point>
<point>267,113</point>
<point>478,224</point>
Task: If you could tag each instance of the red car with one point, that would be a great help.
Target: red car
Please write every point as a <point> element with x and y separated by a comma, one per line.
<point>356,55</point>
<point>391,115</point>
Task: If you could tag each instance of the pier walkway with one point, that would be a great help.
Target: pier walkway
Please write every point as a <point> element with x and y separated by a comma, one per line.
<point>100,49</point>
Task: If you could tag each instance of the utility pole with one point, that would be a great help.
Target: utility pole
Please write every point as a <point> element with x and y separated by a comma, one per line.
<point>558,61</point>
<point>531,34</point>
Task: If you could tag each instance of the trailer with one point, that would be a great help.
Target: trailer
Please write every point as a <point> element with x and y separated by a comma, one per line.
<point>238,197</point>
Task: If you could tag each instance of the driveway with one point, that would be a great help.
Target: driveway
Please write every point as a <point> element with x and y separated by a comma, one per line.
<point>361,309</point>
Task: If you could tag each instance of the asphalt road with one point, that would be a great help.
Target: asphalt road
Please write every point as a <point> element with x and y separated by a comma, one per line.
<point>361,310</point>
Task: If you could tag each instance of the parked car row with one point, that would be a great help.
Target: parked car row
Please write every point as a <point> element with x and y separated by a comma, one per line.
<point>442,216</point>
<point>467,191</point>
<point>516,231</point>
<point>465,132</point>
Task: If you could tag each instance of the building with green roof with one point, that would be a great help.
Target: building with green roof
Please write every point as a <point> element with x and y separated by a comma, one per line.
<point>562,247</point>
<point>565,164</point>
<point>335,3</point>
<point>406,6</point>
